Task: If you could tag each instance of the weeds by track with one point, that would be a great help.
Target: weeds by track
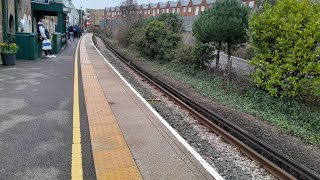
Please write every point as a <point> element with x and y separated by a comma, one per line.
<point>270,158</point>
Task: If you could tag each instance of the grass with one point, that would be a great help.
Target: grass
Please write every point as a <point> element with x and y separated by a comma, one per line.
<point>291,116</point>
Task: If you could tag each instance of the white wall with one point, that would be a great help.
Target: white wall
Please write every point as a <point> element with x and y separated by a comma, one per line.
<point>73,15</point>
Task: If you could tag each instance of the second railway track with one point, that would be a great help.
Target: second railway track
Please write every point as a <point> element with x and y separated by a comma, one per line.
<point>270,158</point>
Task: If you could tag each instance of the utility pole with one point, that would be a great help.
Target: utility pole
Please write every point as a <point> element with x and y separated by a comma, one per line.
<point>81,17</point>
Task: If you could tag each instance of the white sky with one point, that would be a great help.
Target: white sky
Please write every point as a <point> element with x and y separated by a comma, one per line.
<point>101,4</point>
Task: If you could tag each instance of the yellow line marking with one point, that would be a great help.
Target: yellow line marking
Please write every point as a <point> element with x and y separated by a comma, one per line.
<point>76,158</point>
<point>111,155</point>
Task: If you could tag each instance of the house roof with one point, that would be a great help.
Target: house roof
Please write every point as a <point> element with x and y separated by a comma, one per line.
<point>153,5</point>
<point>173,3</point>
<point>162,4</point>
<point>196,2</point>
<point>184,2</point>
<point>211,1</point>
<point>145,6</point>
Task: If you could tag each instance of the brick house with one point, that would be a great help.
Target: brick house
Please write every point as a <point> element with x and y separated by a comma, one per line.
<point>209,3</point>
<point>157,9</point>
<point>173,7</point>
<point>145,10</point>
<point>162,7</point>
<point>180,7</point>
<point>187,8</point>
<point>167,8</point>
<point>118,12</point>
<point>107,13</point>
<point>153,8</point>
<point>199,6</point>
<point>249,3</point>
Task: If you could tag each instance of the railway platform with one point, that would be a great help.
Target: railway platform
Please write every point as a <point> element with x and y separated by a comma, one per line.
<point>76,117</point>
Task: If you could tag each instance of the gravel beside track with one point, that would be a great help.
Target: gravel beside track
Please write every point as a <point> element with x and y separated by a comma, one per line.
<point>227,160</point>
<point>304,153</point>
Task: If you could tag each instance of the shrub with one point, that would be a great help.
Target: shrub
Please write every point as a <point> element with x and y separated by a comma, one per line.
<point>285,38</point>
<point>201,53</point>
<point>182,55</point>
<point>161,40</point>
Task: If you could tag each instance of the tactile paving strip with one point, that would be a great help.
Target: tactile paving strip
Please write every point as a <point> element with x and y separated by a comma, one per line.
<point>112,157</point>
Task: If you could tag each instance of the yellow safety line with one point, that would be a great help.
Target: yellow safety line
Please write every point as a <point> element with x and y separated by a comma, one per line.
<point>111,154</point>
<point>76,158</point>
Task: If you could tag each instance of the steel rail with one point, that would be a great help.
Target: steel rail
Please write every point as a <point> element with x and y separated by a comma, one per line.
<point>229,131</point>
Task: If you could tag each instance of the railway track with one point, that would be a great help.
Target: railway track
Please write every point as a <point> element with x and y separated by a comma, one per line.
<point>277,163</point>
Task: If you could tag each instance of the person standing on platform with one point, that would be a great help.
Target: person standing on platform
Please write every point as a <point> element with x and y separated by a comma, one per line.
<point>45,36</point>
<point>71,32</point>
<point>76,31</point>
<point>67,31</point>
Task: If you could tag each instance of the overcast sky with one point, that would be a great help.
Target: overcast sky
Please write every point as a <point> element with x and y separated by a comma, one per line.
<point>101,4</point>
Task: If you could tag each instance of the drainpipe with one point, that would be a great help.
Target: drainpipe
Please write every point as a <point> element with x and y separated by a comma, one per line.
<point>4,19</point>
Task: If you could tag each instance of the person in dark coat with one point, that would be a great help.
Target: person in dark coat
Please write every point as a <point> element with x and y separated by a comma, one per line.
<point>71,32</point>
<point>76,31</point>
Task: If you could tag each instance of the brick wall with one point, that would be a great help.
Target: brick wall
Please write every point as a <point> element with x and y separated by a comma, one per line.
<point>95,16</point>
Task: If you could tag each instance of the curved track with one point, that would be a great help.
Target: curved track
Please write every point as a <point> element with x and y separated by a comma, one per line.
<point>253,147</point>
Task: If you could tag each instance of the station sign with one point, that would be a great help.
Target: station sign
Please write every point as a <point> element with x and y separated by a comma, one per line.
<point>40,1</point>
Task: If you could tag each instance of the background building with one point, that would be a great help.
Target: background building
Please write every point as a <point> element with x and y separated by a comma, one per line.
<point>94,16</point>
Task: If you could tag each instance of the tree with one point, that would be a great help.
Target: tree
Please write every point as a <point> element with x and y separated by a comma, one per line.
<point>286,38</point>
<point>129,10</point>
<point>160,40</point>
<point>226,22</point>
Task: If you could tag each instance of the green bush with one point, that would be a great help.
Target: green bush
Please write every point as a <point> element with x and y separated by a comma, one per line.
<point>182,55</point>
<point>201,53</point>
<point>285,37</point>
<point>157,37</point>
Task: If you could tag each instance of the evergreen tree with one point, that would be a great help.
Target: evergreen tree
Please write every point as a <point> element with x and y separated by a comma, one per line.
<point>226,22</point>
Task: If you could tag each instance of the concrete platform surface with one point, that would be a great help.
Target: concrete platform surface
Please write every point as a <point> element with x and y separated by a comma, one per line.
<point>157,153</point>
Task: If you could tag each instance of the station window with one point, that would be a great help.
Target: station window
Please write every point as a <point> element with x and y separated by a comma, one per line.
<point>173,10</point>
<point>163,11</point>
<point>202,8</point>
<point>167,10</point>
<point>189,9</point>
<point>184,9</point>
<point>178,10</point>
<point>148,11</point>
<point>158,11</point>
<point>11,24</point>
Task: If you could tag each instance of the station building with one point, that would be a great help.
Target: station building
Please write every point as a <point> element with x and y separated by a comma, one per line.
<point>19,19</point>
